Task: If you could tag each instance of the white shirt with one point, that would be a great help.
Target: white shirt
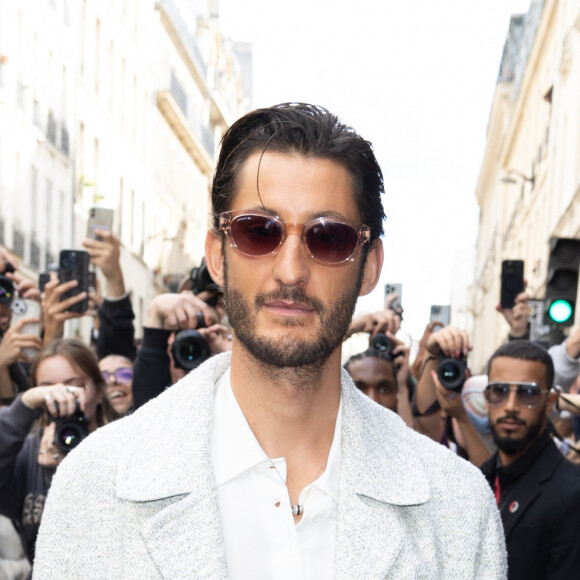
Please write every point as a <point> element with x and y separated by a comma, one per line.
<point>261,538</point>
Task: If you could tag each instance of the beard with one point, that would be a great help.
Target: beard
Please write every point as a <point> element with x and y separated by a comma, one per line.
<point>513,446</point>
<point>287,350</point>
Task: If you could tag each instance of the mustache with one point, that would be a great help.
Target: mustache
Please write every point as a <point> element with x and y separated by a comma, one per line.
<point>510,418</point>
<point>296,295</point>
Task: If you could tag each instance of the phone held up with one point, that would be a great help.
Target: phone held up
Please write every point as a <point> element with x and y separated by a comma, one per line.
<point>397,289</point>
<point>100,218</point>
<point>512,282</point>
<point>74,265</point>
<point>25,308</point>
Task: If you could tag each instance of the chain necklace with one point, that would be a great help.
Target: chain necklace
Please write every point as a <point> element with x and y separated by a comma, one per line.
<point>298,509</point>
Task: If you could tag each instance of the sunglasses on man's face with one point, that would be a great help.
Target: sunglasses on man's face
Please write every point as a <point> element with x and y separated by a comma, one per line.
<point>328,240</point>
<point>528,394</point>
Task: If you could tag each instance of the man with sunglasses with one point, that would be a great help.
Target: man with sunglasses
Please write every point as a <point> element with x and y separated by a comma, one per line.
<point>267,462</point>
<point>537,489</point>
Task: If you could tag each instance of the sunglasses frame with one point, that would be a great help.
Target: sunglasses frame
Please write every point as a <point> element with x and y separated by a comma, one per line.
<point>363,232</point>
<point>516,387</point>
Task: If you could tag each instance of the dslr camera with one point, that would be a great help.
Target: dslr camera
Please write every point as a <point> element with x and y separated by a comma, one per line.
<point>189,349</point>
<point>70,431</point>
<point>451,372</point>
<point>7,290</point>
<point>383,344</point>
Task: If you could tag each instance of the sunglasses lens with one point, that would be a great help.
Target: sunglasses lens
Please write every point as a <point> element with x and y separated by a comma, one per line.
<point>331,242</point>
<point>529,395</point>
<point>256,235</point>
<point>497,394</point>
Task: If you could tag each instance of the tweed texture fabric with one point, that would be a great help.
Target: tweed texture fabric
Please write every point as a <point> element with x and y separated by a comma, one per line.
<point>138,499</point>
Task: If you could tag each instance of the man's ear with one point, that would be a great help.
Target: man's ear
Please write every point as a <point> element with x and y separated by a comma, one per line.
<point>552,398</point>
<point>214,256</point>
<point>372,267</point>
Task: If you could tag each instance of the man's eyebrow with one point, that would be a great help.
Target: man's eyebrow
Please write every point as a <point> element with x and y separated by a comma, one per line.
<point>316,215</point>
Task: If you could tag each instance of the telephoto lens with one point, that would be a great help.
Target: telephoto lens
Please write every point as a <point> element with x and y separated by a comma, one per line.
<point>70,431</point>
<point>6,290</point>
<point>189,349</point>
<point>451,373</point>
<point>382,343</point>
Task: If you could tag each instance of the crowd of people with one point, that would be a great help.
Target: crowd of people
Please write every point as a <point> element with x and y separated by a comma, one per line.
<point>518,424</point>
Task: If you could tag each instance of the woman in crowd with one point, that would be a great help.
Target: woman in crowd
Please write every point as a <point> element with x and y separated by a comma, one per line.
<point>66,383</point>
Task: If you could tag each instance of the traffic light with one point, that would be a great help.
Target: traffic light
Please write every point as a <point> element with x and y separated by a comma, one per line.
<point>562,281</point>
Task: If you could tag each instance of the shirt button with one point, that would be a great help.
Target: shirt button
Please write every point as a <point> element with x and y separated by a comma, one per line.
<point>316,518</point>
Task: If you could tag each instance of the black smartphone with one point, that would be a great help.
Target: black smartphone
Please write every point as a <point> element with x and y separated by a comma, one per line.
<point>74,265</point>
<point>512,282</point>
<point>43,278</point>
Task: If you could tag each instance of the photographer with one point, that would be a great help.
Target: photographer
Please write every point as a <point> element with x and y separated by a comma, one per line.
<point>381,372</point>
<point>383,321</point>
<point>195,307</point>
<point>449,343</point>
<point>13,363</point>
<point>64,376</point>
<point>116,332</point>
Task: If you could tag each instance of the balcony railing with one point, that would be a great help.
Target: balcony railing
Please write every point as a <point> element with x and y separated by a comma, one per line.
<point>51,129</point>
<point>64,141</point>
<point>34,255</point>
<point>18,243</point>
<point>189,42</point>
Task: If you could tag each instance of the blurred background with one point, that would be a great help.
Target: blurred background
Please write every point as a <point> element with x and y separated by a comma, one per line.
<point>472,108</point>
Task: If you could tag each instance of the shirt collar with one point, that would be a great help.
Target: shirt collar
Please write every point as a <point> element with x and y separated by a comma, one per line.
<point>235,448</point>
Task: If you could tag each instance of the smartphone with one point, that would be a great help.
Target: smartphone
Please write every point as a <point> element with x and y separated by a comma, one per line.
<point>74,265</point>
<point>100,218</point>
<point>43,278</point>
<point>512,282</point>
<point>440,314</point>
<point>25,308</point>
<point>395,289</point>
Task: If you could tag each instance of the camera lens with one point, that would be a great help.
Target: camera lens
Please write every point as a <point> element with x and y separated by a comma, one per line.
<point>6,290</point>
<point>189,349</point>
<point>382,343</point>
<point>451,373</point>
<point>70,431</point>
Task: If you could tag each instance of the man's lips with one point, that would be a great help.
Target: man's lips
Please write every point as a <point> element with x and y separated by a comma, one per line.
<point>510,424</point>
<point>288,308</point>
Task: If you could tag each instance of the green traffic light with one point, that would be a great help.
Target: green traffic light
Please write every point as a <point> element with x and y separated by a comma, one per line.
<point>560,311</point>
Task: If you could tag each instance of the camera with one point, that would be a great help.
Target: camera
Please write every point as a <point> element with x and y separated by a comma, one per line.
<point>451,373</point>
<point>70,431</point>
<point>6,290</point>
<point>189,349</point>
<point>383,344</point>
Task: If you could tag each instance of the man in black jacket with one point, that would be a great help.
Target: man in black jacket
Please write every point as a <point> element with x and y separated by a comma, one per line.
<point>536,488</point>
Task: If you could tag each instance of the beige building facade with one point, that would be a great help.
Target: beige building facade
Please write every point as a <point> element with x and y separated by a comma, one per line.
<point>119,104</point>
<point>529,184</point>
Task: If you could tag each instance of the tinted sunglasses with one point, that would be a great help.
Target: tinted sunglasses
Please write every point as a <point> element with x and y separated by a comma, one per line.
<point>529,394</point>
<point>328,240</point>
<point>122,375</point>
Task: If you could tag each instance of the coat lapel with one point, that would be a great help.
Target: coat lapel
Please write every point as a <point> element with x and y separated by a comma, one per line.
<point>379,474</point>
<point>168,474</point>
<point>528,489</point>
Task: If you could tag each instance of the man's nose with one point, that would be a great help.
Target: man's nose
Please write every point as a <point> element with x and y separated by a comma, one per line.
<point>292,262</point>
<point>512,403</point>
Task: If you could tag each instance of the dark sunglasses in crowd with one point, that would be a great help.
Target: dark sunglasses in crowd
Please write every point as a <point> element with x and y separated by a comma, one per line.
<point>121,375</point>
<point>328,240</point>
<point>528,394</point>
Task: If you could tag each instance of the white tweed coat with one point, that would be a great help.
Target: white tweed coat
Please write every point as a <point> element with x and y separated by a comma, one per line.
<point>138,499</point>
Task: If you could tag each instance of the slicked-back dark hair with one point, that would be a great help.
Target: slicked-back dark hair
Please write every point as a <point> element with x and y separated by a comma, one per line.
<point>526,350</point>
<point>310,131</point>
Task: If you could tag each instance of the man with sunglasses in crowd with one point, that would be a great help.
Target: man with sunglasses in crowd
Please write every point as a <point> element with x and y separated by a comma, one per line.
<point>267,462</point>
<point>536,488</point>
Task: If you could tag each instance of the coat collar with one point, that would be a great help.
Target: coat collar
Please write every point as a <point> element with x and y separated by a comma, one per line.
<point>170,465</point>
